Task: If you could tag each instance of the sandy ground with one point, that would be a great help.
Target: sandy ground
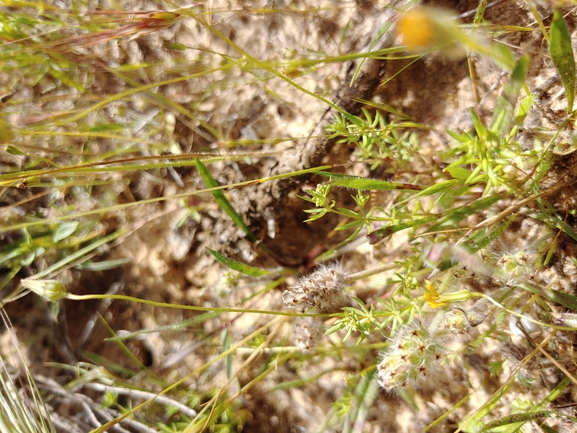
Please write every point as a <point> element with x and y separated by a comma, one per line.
<point>167,258</point>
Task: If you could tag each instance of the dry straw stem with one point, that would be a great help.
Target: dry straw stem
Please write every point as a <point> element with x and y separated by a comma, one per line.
<point>518,205</point>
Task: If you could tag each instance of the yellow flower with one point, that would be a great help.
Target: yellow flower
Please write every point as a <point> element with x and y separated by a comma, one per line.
<point>432,296</point>
<point>436,299</point>
<point>417,29</point>
<point>424,27</point>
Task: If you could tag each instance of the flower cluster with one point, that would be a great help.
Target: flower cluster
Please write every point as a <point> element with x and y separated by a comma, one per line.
<point>322,289</point>
<point>517,264</point>
<point>412,356</point>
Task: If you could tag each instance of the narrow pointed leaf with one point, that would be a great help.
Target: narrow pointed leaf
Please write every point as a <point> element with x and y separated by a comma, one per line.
<point>222,200</point>
<point>458,214</point>
<point>482,238</point>
<point>565,299</point>
<point>378,235</point>
<point>562,55</point>
<point>505,110</point>
<point>440,187</point>
<point>238,266</point>
<point>102,266</point>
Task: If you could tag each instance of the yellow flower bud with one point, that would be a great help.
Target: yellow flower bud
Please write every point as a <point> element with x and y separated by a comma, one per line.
<point>52,290</point>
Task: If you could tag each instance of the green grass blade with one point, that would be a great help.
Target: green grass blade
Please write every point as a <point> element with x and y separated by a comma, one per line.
<point>238,266</point>
<point>363,399</point>
<point>505,110</point>
<point>105,265</point>
<point>552,221</point>
<point>565,299</point>
<point>458,214</point>
<point>380,33</point>
<point>551,397</point>
<point>481,239</point>
<point>518,418</point>
<point>384,232</point>
<point>562,55</point>
<point>440,187</point>
<point>473,422</point>
<point>223,201</point>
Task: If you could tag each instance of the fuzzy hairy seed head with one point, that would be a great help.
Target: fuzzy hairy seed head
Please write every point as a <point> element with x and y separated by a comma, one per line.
<point>322,289</point>
<point>518,264</point>
<point>411,357</point>
<point>456,322</point>
<point>307,332</point>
